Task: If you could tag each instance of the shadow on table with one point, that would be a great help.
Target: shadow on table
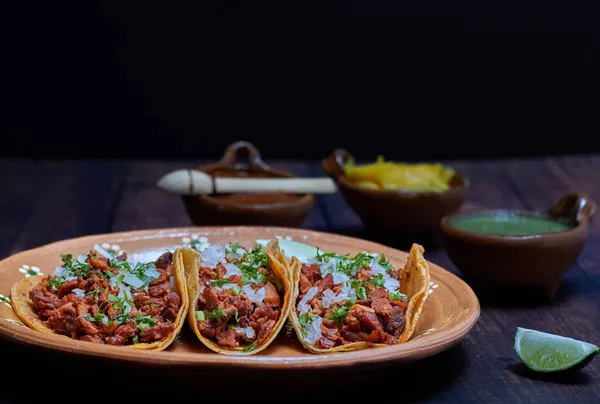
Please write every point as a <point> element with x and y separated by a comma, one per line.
<point>91,379</point>
<point>573,378</point>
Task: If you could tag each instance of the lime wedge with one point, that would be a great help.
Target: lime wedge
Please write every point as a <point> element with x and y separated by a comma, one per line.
<point>301,251</point>
<point>543,352</point>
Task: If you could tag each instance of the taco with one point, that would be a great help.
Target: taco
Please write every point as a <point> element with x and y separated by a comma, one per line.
<point>239,299</point>
<point>344,303</point>
<point>101,298</point>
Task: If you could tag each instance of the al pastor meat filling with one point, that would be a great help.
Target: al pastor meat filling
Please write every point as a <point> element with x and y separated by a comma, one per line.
<point>342,300</point>
<point>101,298</point>
<point>240,297</point>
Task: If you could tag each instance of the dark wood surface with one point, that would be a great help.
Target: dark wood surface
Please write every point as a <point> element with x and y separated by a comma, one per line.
<point>46,201</point>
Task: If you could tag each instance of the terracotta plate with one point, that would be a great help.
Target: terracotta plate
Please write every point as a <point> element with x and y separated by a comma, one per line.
<point>450,312</point>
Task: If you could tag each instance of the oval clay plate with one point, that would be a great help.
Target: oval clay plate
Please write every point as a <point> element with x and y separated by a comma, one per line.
<point>450,312</point>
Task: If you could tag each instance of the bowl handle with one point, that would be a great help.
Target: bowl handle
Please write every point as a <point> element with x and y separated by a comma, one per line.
<point>334,163</point>
<point>235,150</point>
<point>574,207</point>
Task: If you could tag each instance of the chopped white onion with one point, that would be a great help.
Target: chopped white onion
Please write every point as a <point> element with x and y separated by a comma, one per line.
<point>377,269</point>
<point>58,271</point>
<point>124,292</point>
<point>255,297</point>
<point>152,272</point>
<point>126,307</point>
<point>232,270</point>
<point>213,255</point>
<point>340,277</point>
<point>78,292</point>
<point>329,297</point>
<point>249,331</point>
<point>133,281</point>
<point>105,320</point>
<point>102,251</point>
<point>239,253</point>
<point>391,284</point>
<point>82,258</point>
<point>303,306</point>
<point>313,330</point>
<point>70,278</point>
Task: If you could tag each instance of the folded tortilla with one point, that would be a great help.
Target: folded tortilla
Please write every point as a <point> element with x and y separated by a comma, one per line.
<point>414,283</point>
<point>281,269</point>
<point>23,305</point>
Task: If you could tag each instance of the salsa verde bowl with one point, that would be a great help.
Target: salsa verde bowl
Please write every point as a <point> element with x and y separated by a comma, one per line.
<point>527,254</point>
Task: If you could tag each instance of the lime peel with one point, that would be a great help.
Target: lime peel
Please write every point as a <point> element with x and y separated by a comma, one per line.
<point>544,352</point>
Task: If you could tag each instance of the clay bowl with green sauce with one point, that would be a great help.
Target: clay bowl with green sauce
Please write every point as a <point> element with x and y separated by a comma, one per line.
<point>528,250</point>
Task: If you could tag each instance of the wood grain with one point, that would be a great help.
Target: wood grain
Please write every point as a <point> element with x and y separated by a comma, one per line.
<point>47,201</point>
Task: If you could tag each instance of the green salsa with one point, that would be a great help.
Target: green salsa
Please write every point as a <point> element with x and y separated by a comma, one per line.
<point>510,224</point>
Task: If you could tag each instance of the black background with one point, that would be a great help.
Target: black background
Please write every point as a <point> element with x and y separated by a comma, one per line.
<point>123,79</point>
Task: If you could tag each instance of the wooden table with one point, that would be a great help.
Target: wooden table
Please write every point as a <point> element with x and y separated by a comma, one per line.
<point>46,201</point>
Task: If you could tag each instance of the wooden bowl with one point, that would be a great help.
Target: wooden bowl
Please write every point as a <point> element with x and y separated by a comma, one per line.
<point>287,210</point>
<point>396,211</point>
<point>521,262</point>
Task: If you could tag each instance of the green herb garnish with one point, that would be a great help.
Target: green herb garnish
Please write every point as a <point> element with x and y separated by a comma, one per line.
<point>135,339</point>
<point>220,282</point>
<point>304,320</point>
<point>341,312</point>
<point>385,263</point>
<point>143,322</point>
<point>218,314</point>
<point>397,295</point>
<point>250,347</point>
<point>232,248</point>
<point>361,292</point>
<point>56,282</point>
<point>378,281</point>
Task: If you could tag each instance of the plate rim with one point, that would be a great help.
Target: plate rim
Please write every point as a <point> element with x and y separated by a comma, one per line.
<point>411,350</point>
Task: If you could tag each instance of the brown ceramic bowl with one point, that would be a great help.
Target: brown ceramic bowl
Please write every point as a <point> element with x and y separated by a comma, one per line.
<point>396,211</point>
<point>287,210</point>
<point>521,262</point>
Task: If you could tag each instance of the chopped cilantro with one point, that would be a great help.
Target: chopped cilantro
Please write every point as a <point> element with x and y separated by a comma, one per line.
<point>57,281</point>
<point>67,259</point>
<point>218,314</point>
<point>86,316</point>
<point>220,282</point>
<point>378,281</point>
<point>143,322</point>
<point>250,347</point>
<point>341,312</point>
<point>94,293</point>
<point>135,339</point>
<point>385,263</point>
<point>397,295</point>
<point>261,278</point>
<point>232,248</point>
<point>361,292</point>
<point>236,290</point>
<point>200,315</point>
<point>304,320</point>
<point>250,263</point>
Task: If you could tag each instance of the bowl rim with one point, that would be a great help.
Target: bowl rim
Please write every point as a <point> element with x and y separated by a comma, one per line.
<point>449,229</point>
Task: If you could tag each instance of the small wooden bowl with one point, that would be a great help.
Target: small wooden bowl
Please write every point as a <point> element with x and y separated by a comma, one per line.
<point>396,211</point>
<point>536,262</point>
<point>288,210</point>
